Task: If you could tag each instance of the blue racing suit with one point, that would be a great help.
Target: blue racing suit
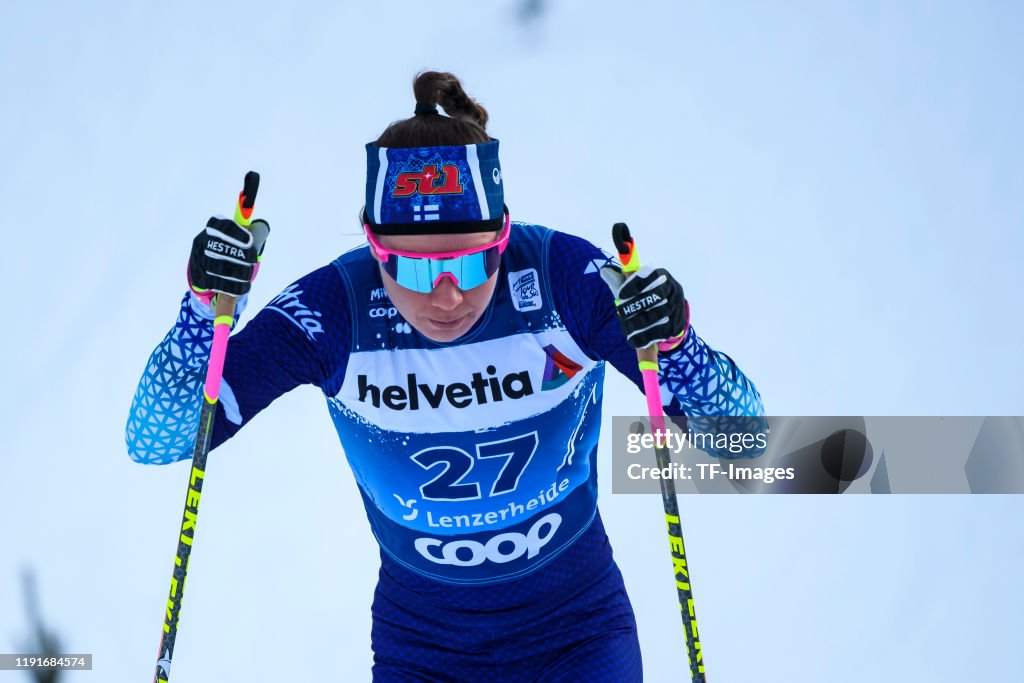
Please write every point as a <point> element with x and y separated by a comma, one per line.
<point>475,459</point>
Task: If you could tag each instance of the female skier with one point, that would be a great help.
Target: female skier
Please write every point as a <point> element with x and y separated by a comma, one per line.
<point>462,358</point>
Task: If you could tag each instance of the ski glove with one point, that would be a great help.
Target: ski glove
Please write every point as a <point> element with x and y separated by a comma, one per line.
<point>650,305</point>
<point>225,257</point>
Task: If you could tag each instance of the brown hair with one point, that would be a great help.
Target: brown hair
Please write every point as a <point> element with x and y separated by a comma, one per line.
<point>466,123</point>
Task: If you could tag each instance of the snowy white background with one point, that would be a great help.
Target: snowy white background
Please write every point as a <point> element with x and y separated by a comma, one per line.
<point>838,186</point>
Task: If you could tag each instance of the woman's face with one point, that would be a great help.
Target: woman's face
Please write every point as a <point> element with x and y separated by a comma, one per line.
<point>446,313</point>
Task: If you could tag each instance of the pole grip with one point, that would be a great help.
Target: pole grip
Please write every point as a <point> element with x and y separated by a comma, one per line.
<point>648,354</point>
<point>247,199</point>
<point>243,216</point>
<point>629,257</point>
<point>224,306</point>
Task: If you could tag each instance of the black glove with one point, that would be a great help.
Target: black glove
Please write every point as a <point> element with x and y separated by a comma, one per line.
<point>650,305</point>
<point>225,256</point>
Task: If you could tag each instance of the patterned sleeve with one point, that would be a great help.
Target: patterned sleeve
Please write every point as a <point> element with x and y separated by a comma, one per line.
<point>697,382</point>
<point>299,337</point>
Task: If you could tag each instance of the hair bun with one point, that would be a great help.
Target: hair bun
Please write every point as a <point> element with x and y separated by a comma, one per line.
<point>425,109</point>
<point>465,123</point>
<point>446,90</point>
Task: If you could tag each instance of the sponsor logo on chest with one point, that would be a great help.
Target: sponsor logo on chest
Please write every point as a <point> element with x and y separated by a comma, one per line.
<point>499,549</point>
<point>380,309</point>
<point>479,388</point>
<point>472,386</point>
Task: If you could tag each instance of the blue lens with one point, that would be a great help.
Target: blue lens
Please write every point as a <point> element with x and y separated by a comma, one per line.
<point>420,274</point>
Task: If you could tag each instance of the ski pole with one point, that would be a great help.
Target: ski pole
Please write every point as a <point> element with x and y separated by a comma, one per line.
<point>224,318</point>
<point>648,360</point>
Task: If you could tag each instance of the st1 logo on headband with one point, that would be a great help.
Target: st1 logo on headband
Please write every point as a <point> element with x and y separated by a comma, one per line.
<point>429,181</point>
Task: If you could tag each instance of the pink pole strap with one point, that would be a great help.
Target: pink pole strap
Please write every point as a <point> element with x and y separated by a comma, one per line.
<point>221,331</point>
<point>652,391</point>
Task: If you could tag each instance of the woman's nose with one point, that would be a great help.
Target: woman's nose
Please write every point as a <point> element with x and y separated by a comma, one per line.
<point>446,294</point>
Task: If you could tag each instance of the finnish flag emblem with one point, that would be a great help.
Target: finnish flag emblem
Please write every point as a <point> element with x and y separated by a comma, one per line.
<point>427,212</point>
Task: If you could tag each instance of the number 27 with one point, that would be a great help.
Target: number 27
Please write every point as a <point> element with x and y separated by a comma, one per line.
<point>449,485</point>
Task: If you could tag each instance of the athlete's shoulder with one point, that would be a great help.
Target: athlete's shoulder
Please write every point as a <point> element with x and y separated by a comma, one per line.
<point>572,250</point>
<point>566,255</point>
<point>315,303</point>
<point>562,246</point>
<point>320,286</point>
<point>356,255</point>
<point>526,230</point>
